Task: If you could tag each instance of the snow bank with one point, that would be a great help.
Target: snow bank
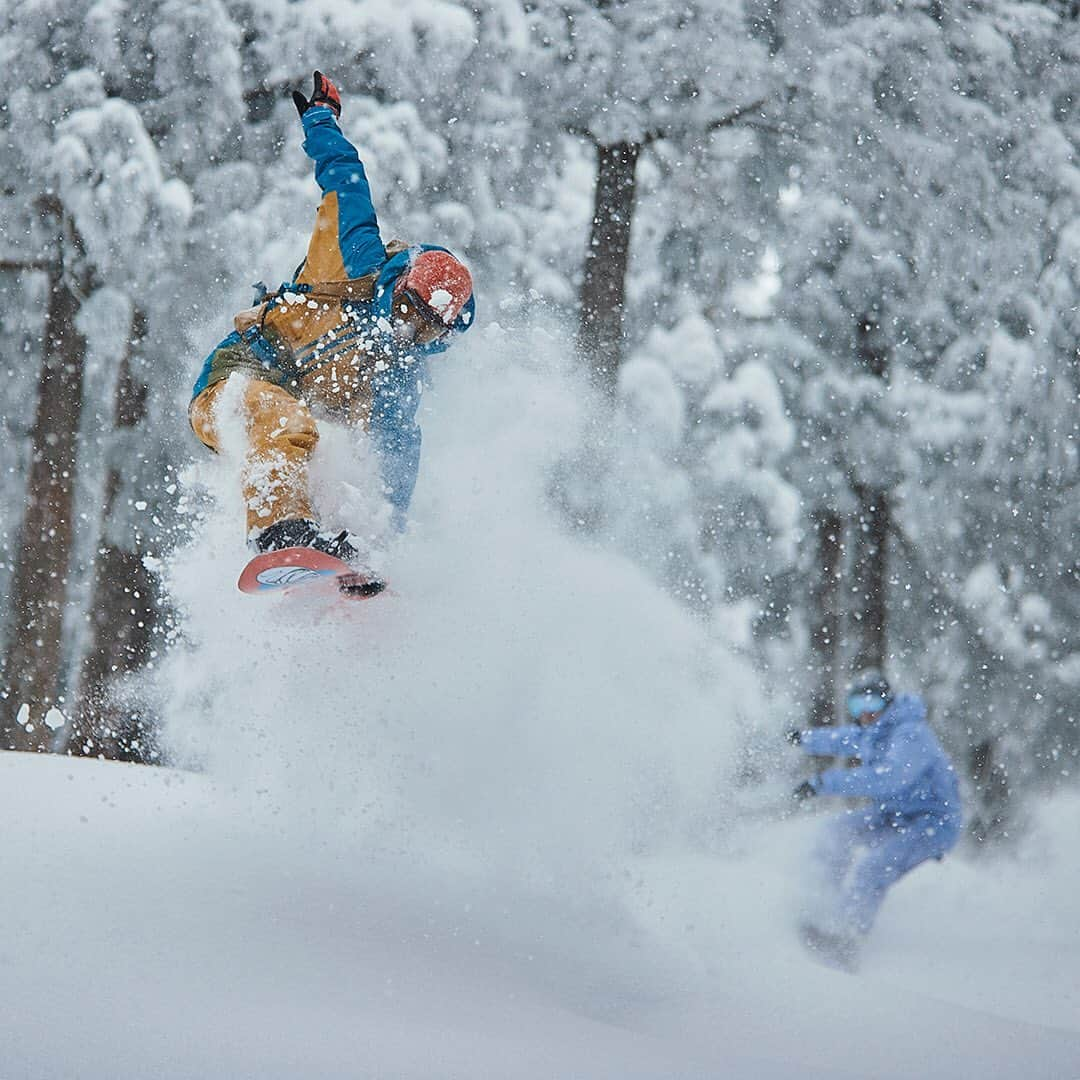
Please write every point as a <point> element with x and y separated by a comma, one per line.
<point>163,925</point>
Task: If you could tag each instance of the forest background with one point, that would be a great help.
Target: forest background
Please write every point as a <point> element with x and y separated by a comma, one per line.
<point>820,259</point>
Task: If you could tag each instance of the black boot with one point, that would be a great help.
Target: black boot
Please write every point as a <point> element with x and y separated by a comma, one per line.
<point>301,532</point>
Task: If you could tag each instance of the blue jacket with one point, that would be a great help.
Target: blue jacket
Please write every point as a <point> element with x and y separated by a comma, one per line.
<point>295,344</point>
<point>902,766</point>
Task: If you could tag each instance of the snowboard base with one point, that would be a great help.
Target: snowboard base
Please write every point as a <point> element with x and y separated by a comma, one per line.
<point>308,570</point>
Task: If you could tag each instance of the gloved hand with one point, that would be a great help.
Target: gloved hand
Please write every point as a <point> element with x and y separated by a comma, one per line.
<point>804,791</point>
<point>324,93</point>
<point>794,736</point>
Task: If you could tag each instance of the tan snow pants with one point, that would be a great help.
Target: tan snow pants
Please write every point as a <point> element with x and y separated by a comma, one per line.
<point>281,435</point>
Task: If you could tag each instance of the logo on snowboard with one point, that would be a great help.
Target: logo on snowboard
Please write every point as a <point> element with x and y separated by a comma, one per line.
<point>277,576</point>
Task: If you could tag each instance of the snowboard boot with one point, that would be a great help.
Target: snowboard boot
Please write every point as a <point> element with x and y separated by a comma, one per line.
<point>301,532</point>
<point>835,950</point>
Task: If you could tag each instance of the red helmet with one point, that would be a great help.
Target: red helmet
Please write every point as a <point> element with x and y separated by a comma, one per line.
<point>443,283</point>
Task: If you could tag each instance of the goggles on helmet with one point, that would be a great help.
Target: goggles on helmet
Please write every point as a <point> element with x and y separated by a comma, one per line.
<point>859,704</point>
<point>428,326</point>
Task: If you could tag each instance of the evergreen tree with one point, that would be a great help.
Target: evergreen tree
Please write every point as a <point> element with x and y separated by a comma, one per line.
<point>639,74</point>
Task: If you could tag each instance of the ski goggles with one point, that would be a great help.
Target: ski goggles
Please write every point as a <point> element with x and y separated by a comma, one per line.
<point>858,704</point>
<point>424,320</point>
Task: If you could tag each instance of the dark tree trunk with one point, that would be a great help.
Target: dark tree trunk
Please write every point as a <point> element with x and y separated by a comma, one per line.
<point>603,286</point>
<point>871,571</point>
<point>124,605</point>
<point>991,782</point>
<point>872,526</point>
<point>34,661</point>
<point>825,613</point>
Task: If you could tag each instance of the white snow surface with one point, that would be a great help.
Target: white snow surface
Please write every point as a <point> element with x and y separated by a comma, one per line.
<point>485,827</point>
<point>169,924</point>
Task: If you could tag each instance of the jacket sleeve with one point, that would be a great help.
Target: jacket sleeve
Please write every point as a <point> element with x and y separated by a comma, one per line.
<point>347,217</point>
<point>831,741</point>
<point>396,434</point>
<point>910,753</point>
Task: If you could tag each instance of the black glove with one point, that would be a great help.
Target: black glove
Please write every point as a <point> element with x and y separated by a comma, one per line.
<point>804,791</point>
<point>794,736</point>
<point>325,93</point>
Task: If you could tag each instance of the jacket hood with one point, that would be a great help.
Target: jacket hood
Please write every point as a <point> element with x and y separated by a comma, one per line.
<point>903,709</point>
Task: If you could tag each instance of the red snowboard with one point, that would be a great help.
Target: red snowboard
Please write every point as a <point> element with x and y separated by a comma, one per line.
<point>304,568</point>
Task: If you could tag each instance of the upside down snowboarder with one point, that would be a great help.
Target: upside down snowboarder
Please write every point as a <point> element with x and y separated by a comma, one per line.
<point>346,338</point>
<point>913,813</point>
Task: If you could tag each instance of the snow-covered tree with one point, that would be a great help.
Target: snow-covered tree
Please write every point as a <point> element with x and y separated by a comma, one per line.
<point>639,74</point>
<point>918,231</point>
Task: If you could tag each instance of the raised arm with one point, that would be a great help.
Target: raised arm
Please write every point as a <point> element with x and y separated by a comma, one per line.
<point>345,242</point>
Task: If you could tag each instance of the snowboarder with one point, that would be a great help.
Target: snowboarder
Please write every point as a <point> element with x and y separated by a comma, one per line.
<point>914,813</point>
<point>347,337</point>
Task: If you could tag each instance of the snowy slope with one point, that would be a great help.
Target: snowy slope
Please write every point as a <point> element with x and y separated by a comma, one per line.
<point>161,925</point>
<point>488,827</point>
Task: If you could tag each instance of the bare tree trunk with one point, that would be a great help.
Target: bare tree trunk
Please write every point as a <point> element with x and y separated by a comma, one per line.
<point>124,606</point>
<point>872,527</point>
<point>32,667</point>
<point>991,782</point>
<point>871,572</point>
<point>825,612</point>
<point>603,286</point>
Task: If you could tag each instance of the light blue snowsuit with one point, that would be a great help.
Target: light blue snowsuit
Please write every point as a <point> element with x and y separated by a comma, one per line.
<point>914,814</point>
